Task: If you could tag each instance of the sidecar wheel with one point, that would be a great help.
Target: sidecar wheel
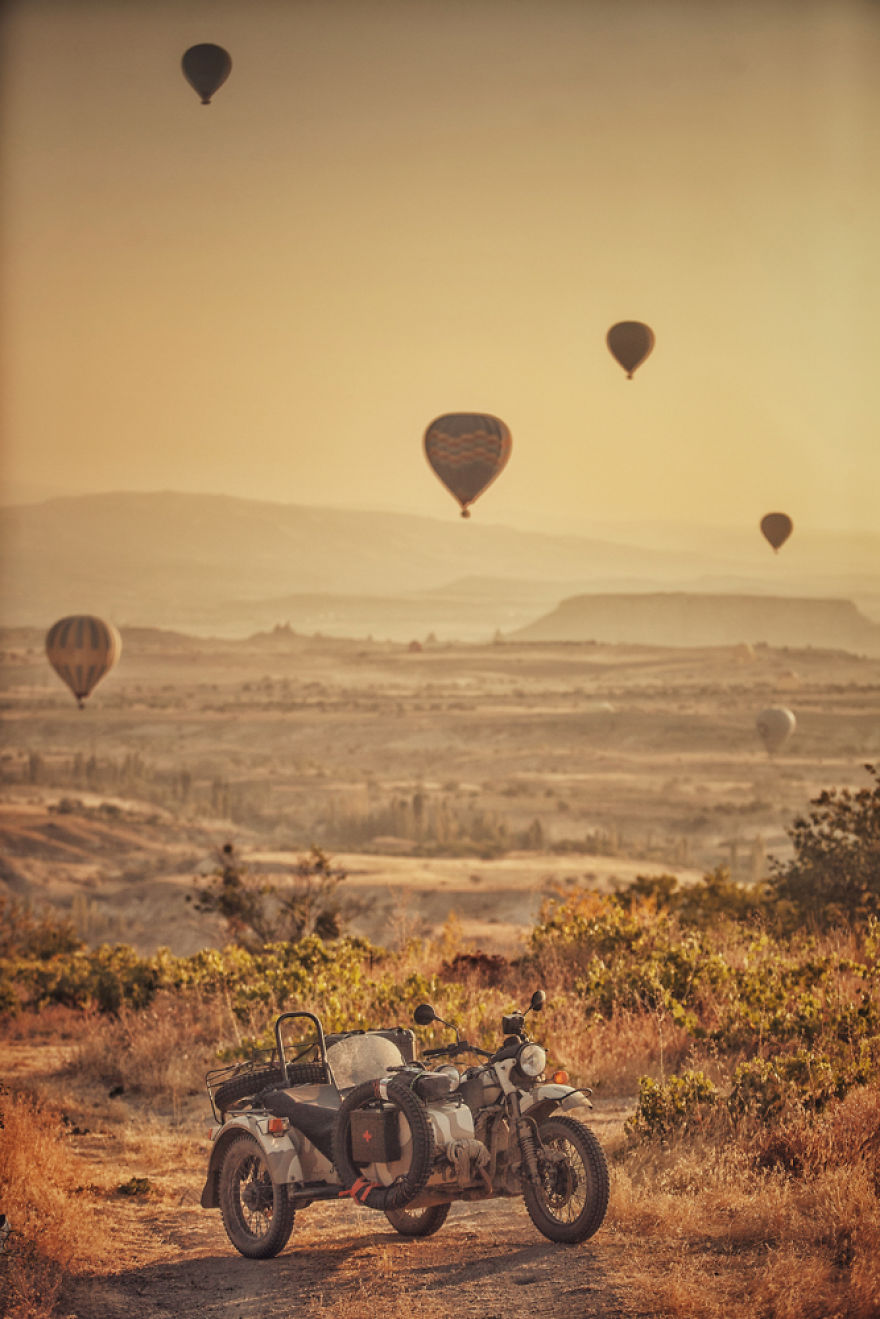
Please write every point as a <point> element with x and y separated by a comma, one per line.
<point>257,1213</point>
<point>570,1202</point>
<point>418,1222</point>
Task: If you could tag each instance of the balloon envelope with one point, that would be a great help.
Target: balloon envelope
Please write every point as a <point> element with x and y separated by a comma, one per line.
<point>467,450</point>
<point>777,528</point>
<point>81,650</point>
<point>775,726</point>
<point>629,343</point>
<point>206,67</point>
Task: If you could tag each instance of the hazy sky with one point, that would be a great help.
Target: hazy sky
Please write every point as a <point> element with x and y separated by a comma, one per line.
<point>397,209</point>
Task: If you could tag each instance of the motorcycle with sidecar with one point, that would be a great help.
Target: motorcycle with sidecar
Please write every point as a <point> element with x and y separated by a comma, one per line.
<point>355,1115</point>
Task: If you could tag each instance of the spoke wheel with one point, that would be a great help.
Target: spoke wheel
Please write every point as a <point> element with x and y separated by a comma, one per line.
<point>257,1214</point>
<point>418,1222</point>
<point>570,1201</point>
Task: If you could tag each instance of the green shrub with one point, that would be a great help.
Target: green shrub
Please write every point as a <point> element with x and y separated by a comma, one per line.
<point>683,1103</point>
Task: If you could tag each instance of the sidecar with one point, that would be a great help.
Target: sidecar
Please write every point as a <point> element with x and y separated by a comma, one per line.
<point>276,1120</point>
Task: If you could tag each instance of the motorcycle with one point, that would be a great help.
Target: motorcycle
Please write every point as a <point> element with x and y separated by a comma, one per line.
<point>356,1116</point>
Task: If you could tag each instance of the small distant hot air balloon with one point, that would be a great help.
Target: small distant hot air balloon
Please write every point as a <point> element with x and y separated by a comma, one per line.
<point>775,726</point>
<point>467,450</point>
<point>777,528</point>
<point>81,649</point>
<point>206,68</point>
<point>629,343</point>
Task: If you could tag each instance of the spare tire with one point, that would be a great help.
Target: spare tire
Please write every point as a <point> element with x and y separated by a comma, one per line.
<point>257,1079</point>
<point>407,1186</point>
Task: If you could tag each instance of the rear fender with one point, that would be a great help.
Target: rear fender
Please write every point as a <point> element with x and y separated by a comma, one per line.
<point>280,1152</point>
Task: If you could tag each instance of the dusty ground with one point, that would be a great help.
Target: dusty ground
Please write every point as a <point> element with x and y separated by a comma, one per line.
<point>171,1258</point>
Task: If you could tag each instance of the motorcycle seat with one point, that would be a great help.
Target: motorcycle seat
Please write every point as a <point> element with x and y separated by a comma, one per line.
<point>315,1123</point>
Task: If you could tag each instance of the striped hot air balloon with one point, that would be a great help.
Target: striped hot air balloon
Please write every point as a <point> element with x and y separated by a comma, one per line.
<point>81,649</point>
<point>467,450</point>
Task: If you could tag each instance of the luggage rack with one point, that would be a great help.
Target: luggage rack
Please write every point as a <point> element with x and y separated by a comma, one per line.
<point>266,1060</point>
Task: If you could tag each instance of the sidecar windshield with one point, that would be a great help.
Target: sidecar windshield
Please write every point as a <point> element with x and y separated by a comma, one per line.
<point>362,1058</point>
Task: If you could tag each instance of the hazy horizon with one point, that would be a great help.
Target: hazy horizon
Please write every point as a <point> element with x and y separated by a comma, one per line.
<point>393,210</point>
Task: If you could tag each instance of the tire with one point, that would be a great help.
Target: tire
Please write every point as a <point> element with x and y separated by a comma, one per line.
<point>406,1187</point>
<point>569,1204</point>
<point>257,1213</point>
<point>418,1222</point>
<point>250,1083</point>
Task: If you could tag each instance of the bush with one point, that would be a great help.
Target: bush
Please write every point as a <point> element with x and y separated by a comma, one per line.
<point>683,1103</point>
<point>835,873</point>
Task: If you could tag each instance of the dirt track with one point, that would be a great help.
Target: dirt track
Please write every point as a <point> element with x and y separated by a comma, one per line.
<point>488,1260</point>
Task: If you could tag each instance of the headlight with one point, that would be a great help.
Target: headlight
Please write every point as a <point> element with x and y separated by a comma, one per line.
<point>531,1060</point>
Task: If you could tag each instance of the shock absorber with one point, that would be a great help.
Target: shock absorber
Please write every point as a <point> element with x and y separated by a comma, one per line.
<point>527,1138</point>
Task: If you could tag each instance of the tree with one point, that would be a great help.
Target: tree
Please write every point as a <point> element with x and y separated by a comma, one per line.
<point>260,910</point>
<point>835,872</point>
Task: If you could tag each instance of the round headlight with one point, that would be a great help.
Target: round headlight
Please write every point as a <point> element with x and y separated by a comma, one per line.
<point>531,1060</point>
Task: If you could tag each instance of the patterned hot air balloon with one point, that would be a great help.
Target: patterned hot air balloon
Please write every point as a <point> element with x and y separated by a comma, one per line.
<point>629,343</point>
<point>775,726</point>
<point>467,450</point>
<point>777,528</point>
<point>206,68</point>
<point>81,649</point>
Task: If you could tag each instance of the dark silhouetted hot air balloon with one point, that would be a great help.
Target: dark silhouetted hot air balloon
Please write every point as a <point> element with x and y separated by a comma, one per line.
<point>81,649</point>
<point>777,528</point>
<point>206,67</point>
<point>775,726</point>
<point>467,450</point>
<point>629,343</point>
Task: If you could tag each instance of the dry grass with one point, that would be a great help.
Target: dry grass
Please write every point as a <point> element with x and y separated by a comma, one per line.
<point>163,1050</point>
<point>55,1229</point>
<point>808,1242</point>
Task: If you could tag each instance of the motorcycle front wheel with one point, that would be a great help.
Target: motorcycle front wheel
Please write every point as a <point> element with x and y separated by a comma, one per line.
<point>418,1222</point>
<point>571,1197</point>
<point>257,1214</point>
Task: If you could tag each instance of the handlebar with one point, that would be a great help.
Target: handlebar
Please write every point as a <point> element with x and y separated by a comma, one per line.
<point>453,1050</point>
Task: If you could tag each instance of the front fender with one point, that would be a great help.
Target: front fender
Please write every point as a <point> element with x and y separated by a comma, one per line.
<point>280,1152</point>
<point>543,1100</point>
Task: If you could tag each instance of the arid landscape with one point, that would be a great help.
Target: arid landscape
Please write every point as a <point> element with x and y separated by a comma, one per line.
<point>444,778</point>
<point>457,787</point>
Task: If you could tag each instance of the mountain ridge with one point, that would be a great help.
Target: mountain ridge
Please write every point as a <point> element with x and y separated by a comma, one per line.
<point>209,562</point>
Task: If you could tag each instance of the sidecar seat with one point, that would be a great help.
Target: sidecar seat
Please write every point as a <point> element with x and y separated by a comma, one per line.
<point>316,1123</point>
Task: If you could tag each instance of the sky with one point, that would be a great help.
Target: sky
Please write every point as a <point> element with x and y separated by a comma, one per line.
<point>399,208</point>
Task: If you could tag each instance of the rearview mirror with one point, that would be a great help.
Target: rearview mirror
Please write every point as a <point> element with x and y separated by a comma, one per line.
<point>539,998</point>
<point>424,1015</point>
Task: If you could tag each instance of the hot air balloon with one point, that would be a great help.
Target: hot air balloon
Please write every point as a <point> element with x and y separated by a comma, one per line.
<point>206,67</point>
<point>629,343</point>
<point>81,649</point>
<point>467,450</point>
<point>775,726</point>
<point>777,528</point>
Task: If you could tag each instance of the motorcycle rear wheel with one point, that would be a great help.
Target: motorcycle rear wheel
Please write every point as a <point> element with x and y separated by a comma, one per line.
<point>570,1201</point>
<point>257,1213</point>
<point>418,1222</point>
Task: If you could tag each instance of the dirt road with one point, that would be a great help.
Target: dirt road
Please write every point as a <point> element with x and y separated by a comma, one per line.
<point>488,1260</point>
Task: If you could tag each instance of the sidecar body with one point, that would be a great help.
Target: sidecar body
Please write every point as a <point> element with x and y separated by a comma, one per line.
<point>290,1107</point>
